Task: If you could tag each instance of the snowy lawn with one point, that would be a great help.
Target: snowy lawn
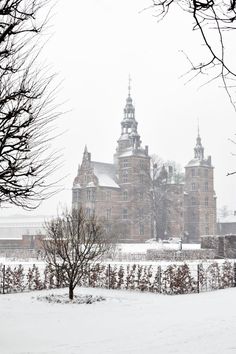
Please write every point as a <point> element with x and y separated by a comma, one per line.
<point>126,322</point>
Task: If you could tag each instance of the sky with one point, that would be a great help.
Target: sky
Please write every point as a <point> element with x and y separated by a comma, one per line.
<point>93,47</point>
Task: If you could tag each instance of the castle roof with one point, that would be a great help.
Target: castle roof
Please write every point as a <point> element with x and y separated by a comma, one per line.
<point>105,173</point>
<point>197,162</point>
<point>131,151</point>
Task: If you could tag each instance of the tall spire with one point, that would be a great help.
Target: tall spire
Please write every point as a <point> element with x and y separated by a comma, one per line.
<point>86,155</point>
<point>129,134</point>
<point>199,149</point>
<point>129,110</point>
<point>129,86</point>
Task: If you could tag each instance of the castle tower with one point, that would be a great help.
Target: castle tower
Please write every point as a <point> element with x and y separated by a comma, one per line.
<point>199,196</point>
<point>133,170</point>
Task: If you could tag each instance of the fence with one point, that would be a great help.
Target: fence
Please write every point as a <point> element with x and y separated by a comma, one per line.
<point>166,279</point>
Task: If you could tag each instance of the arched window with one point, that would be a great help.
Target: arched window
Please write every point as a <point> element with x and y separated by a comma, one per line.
<point>141,229</point>
<point>125,195</point>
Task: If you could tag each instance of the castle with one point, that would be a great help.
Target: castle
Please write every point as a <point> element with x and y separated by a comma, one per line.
<point>138,204</point>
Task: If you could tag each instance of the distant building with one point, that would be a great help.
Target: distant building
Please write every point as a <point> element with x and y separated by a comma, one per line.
<point>17,225</point>
<point>21,236</point>
<point>121,192</point>
<point>227,225</point>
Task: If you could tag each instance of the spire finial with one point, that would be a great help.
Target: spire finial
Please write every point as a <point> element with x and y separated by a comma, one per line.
<point>199,149</point>
<point>129,86</point>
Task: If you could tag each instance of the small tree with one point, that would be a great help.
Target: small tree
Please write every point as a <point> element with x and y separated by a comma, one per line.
<point>74,242</point>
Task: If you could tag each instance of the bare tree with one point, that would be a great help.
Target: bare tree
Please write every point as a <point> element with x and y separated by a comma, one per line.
<point>27,108</point>
<point>73,242</point>
<point>165,195</point>
<point>214,20</point>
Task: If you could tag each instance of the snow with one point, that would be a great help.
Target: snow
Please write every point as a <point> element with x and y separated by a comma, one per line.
<point>105,173</point>
<point>143,247</point>
<point>131,152</point>
<point>126,322</point>
<point>106,181</point>
<point>227,219</point>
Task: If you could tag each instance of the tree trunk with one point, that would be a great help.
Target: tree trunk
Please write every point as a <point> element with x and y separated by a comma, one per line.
<point>71,292</point>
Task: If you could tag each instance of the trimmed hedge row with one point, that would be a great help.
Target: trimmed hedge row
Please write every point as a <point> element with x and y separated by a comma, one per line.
<point>171,279</point>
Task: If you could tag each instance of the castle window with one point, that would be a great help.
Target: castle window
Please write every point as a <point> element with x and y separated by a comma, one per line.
<point>75,196</point>
<point>108,228</point>
<point>125,214</point>
<point>93,195</point>
<point>193,172</point>
<point>207,230</point>
<point>206,201</point>
<point>88,195</point>
<point>141,229</point>
<point>193,201</point>
<point>125,176</point>
<point>108,214</point>
<point>142,165</point>
<point>206,187</point>
<point>125,195</point>
<point>206,173</point>
<point>207,217</point>
<point>140,213</point>
<point>89,212</point>
<point>108,195</point>
<point>125,163</point>
<point>193,186</point>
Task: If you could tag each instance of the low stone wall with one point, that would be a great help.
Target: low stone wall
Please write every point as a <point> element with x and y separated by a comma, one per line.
<point>170,255</point>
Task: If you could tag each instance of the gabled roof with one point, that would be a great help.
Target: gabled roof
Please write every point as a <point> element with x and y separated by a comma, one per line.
<point>105,173</point>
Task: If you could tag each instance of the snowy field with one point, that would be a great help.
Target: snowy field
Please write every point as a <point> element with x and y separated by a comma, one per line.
<point>127,322</point>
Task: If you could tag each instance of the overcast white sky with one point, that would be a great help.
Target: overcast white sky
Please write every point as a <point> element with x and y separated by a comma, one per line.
<point>94,46</point>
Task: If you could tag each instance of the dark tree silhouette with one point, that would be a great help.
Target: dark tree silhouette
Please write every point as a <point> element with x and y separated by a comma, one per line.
<point>27,108</point>
<point>73,243</point>
<point>213,19</point>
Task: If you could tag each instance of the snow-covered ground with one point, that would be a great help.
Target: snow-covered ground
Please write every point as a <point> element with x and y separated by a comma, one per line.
<point>143,247</point>
<point>127,322</point>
